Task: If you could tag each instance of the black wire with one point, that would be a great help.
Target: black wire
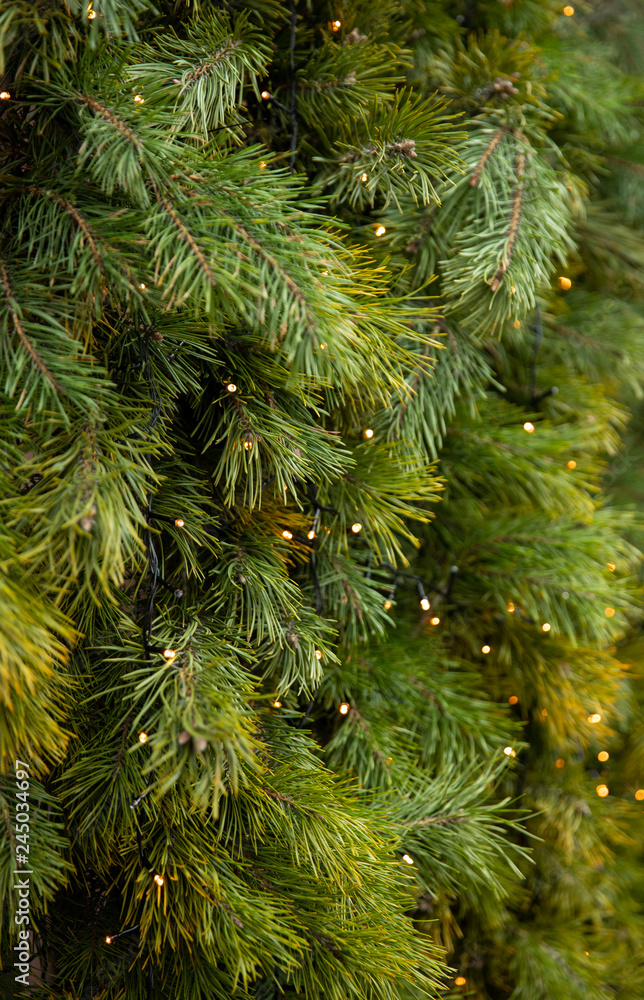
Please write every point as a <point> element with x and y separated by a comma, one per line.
<point>538,328</point>
<point>293,108</point>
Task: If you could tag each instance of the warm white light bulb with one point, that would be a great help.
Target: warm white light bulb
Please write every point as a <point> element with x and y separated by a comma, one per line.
<point>318,654</point>
<point>231,387</point>
<point>528,427</point>
<point>179,522</point>
<point>380,231</point>
<point>143,737</point>
<point>4,95</point>
<point>546,627</point>
<point>595,718</point>
<point>287,534</point>
<point>486,649</point>
<point>434,621</point>
<point>138,99</point>
<point>344,708</point>
<point>356,528</point>
<point>368,433</point>
<point>158,879</point>
<point>311,535</point>
<point>424,603</point>
<point>408,859</point>
<point>169,654</point>
<point>363,178</point>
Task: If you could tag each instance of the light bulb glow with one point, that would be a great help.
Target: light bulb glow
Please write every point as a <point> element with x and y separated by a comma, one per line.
<point>336,25</point>
<point>179,522</point>
<point>277,704</point>
<point>387,604</point>
<point>609,612</point>
<point>4,95</point>
<point>143,737</point>
<point>265,95</point>
<point>318,654</point>
<point>262,164</point>
<point>602,791</point>
<point>408,859</point>
<point>565,283</point>
<point>603,755</point>
<point>434,621</point>
<point>568,10</point>
<point>571,464</point>
<point>595,718</point>
<point>141,285</point>
<point>287,534</point>
<point>311,535</point>
<point>639,794</point>
<point>611,566</point>
<point>513,700</point>
<point>108,940</point>
<point>380,231</point>
<point>356,528</point>
<point>138,99</point>
<point>460,981</point>
<point>169,654</point>
<point>364,178</point>
<point>91,14</point>
<point>546,627</point>
<point>486,649</point>
<point>509,752</point>
<point>560,763</point>
<point>344,708</point>
<point>231,387</point>
<point>424,603</point>
<point>528,427</point>
<point>510,606</point>
<point>368,433</point>
<point>158,879</point>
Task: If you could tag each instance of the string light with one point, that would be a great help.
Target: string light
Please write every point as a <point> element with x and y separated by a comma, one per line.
<point>408,859</point>
<point>568,10</point>
<point>108,940</point>
<point>486,649</point>
<point>424,603</point>
<point>287,534</point>
<point>248,445</point>
<point>509,752</point>
<point>639,794</point>
<point>380,231</point>
<point>434,621</point>
<point>571,464</point>
<point>344,708</point>
<point>611,566</point>
<point>565,283</point>
<point>310,535</point>
<point>138,99</point>
<point>322,347</point>
<point>363,178</point>
<point>143,737</point>
<point>609,612</point>
<point>528,427</point>
<point>169,654</point>
<point>356,528</point>
<point>318,654</point>
<point>141,286</point>
<point>516,324</point>
<point>158,879</point>
<point>603,755</point>
<point>387,604</point>
<point>544,712</point>
<point>513,700</point>
<point>91,14</point>
<point>546,627</point>
<point>4,95</point>
<point>510,607</point>
<point>231,387</point>
<point>596,717</point>
<point>336,25</point>
<point>262,164</point>
<point>368,433</point>
<point>179,522</point>
<point>460,981</point>
<point>265,95</point>
<point>560,763</point>
<point>277,704</point>
<point>602,791</point>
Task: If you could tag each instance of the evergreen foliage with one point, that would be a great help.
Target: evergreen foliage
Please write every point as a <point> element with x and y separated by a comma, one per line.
<point>310,313</point>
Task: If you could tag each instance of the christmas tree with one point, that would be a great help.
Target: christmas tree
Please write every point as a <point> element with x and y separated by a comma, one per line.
<point>322,359</point>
